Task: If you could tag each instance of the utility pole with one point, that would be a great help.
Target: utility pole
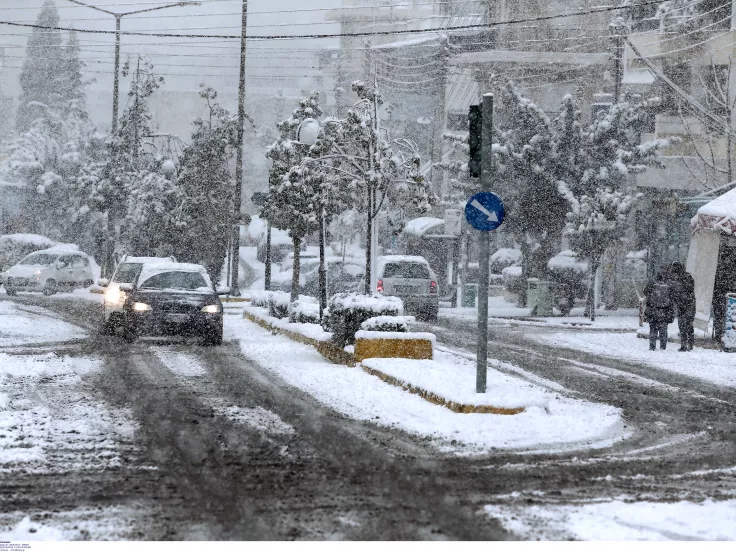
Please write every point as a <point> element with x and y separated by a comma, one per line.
<point>618,31</point>
<point>238,197</point>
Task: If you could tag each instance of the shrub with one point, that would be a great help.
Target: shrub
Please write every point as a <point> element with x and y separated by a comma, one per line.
<point>305,312</point>
<point>387,324</point>
<point>260,299</point>
<point>347,311</point>
<point>278,304</point>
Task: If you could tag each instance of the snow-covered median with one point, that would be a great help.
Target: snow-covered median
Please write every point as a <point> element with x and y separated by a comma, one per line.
<point>706,364</point>
<point>362,396</point>
<point>618,520</point>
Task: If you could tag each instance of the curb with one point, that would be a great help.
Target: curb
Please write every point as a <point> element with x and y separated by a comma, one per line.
<point>436,399</point>
<point>331,352</point>
<point>338,356</point>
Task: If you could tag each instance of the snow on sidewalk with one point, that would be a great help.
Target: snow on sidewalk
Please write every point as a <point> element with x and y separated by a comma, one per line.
<point>618,521</point>
<point>710,365</point>
<point>359,395</point>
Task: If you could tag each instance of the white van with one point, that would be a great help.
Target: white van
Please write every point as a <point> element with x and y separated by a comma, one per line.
<point>49,271</point>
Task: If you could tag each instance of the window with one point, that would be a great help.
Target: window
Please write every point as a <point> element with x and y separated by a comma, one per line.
<point>406,270</point>
<point>127,273</point>
<point>175,280</point>
<point>79,262</point>
<point>39,259</point>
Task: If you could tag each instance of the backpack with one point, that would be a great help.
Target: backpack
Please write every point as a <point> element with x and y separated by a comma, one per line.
<point>660,297</point>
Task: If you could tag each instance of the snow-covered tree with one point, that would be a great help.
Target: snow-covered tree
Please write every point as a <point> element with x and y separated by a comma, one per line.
<point>294,189</point>
<point>598,186</point>
<point>42,75</point>
<point>204,214</point>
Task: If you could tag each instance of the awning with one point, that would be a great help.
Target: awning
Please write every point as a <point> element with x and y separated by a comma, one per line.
<point>718,215</point>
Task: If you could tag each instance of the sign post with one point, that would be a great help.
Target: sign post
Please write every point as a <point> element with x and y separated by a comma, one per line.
<point>484,212</point>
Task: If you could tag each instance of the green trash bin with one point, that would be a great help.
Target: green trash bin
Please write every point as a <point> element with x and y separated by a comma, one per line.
<point>538,297</point>
<point>470,295</point>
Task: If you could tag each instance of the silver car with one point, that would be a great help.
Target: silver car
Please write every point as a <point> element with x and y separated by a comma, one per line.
<point>49,271</point>
<point>411,279</point>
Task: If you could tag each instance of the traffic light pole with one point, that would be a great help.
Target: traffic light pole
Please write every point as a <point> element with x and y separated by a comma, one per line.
<point>484,246</point>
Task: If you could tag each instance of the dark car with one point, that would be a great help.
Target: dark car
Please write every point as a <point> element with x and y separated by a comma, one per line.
<point>172,299</point>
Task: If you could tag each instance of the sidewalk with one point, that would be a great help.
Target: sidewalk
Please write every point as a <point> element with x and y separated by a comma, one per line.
<point>500,310</point>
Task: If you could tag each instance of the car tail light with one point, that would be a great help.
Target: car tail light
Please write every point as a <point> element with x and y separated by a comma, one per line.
<point>432,287</point>
<point>379,286</point>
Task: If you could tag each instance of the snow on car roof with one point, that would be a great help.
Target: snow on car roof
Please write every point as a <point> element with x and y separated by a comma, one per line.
<point>132,259</point>
<point>420,226</point>
<point>34,239</point>
<point>402,258</point>
<point>63,248</point>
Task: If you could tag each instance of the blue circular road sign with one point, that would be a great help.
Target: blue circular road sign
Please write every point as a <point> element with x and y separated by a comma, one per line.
<point>484,211</point>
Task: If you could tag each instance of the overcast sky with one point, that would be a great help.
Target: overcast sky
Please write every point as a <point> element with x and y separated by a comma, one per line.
<point>183,62</point>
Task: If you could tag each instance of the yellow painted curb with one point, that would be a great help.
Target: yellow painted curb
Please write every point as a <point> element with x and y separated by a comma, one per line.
<point>235,299</point>
<point>416,349</point>
<point>436,399</point>
<point>97,291</point>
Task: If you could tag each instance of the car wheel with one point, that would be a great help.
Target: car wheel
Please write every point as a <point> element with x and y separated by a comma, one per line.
<point>87,283</point>
<point>107,327</point>
<point>212,339</point>
<point>10,291</point>
<point>50,288</point>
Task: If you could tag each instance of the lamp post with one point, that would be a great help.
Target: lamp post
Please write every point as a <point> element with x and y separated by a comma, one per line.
<point>308,134</point>
<point>108,254</point>
<point>118,16</point>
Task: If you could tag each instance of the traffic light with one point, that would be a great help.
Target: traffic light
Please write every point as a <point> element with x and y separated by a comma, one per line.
<point>475,128</point>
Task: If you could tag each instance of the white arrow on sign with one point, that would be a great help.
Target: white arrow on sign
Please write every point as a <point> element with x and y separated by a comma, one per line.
<point>492,217</point>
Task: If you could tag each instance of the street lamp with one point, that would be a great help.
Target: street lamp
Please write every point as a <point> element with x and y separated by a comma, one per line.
<point>308,134</point>
<point>118,17</point>
<point>107,261</point>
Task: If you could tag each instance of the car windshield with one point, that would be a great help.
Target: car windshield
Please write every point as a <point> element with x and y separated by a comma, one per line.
<point>175,280</point>
<point>44,259</point>
<point>406,270</point>
<point>127,273</point>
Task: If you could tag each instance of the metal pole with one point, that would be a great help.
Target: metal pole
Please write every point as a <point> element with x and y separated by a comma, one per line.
<point>267,275</point>
<point>235,258</point>
<point>485,247</point>
<point>116,82</point>
<point>322,271</point>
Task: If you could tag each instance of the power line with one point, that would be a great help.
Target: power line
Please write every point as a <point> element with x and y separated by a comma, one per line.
<point>604,9</point>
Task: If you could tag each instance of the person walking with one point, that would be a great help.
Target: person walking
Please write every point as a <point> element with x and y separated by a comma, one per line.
<point>659,312</point>
<point>683,295</point>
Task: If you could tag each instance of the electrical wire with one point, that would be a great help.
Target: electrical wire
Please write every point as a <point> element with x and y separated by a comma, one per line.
<point>603,9</point>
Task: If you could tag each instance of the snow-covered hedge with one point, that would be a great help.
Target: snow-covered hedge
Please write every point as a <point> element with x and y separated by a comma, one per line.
<point>387,324</point>
<point>347,311</point>
<point>305,312</point>
<point>512,280</point>
<point>277,302</point>
<point>504,258</point>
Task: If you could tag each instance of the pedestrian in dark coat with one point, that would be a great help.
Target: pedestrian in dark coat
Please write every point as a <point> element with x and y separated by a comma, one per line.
<point>660,310</point>
<point>683,294</point>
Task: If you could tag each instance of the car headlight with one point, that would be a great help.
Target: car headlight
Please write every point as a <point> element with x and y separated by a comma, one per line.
<point>37,273</point>
<point>212,309</point>
<point>115,296</point>
<point>141,307</point>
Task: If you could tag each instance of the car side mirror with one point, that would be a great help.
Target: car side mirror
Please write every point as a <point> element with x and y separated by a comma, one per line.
<point>126,287</point>
<point>103,282</point>
<point>223,290</point>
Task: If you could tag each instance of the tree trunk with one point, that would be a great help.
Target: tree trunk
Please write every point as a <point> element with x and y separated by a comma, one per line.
<point>368,243</point>
<point>295,269</point>
<point>526,253</point>
<point>590,300</point>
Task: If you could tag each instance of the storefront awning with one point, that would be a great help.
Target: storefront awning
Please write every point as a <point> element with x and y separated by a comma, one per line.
<point>718,215</point>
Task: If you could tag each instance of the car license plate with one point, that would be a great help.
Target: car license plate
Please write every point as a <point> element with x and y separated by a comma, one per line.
<point>405,289</point>
<point>177,318</point>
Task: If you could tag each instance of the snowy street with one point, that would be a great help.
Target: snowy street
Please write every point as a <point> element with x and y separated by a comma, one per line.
<point>178,441</point>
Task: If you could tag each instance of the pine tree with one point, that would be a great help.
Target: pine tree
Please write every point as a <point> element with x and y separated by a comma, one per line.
<point>41,78</point>
<point>204,214</point>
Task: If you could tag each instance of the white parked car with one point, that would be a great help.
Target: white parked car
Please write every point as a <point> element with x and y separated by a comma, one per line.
<point>49,271</point>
